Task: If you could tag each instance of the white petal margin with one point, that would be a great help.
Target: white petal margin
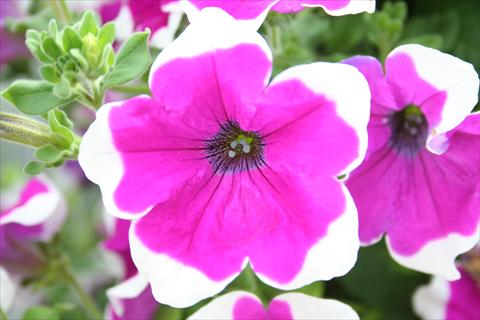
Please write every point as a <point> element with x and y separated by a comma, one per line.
<point>128,289</point>
<point>172,282</point>
<point>45,208</point>
<point>430,301</point>
<point>124,23</point>
<point>346,87</point>
<point>212,29</point>
<point>102,163</point>
<point>306,307</point>
<point>254,24</point>
<point>164,36</point>
<point>445,72</point>
<point>437,257</point>
<point>7,290</point>
<point>353,7</point>
<point>332,256</point>
<point>221,308</point>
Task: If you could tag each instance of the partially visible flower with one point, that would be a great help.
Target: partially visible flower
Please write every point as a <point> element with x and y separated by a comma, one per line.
<point>241,305</point>
<point>419,183</point>
<point>132,298</point>
<point>456,300</point>
<point>162,17</point>
<point>12,47</point>
<point>253,12</point>
<point>221,168</point>
<point>36,215</point>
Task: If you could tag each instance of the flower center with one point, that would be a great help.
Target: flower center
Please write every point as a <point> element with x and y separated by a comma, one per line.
<point>409,130</point>
<point>233,149</point>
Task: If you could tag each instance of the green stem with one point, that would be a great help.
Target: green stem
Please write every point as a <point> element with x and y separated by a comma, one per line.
<point>66,11</point>
<point>60,10</point>
<point>87,301</point>
<point>3,315</point>
<point>25,131</point>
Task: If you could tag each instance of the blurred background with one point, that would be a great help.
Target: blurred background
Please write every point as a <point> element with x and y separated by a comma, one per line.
<point>377,287</point>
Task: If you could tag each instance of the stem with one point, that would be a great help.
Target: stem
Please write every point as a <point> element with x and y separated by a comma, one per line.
<point>3,315</point>
<point>23,130</point>
<point>87,301</point>
<point>60,10</point>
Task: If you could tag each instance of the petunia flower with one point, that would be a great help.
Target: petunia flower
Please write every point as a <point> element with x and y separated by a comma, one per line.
<point>12,47</point>
<point>36,215</point>
<point>221,168</point>
<point>253,12</point>
<point>237,305</point>
<point>132,298</point>
<point>419,183</point>
<point>455,300</point>
<point>162,17</point>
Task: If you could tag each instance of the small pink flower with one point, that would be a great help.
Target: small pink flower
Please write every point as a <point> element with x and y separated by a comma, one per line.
<point>132,298</point>
<point>443,300</point>
<point>221,168</point>
<point>419,183</point>
<point>37,215</point>
<point>241,305</point>
<point>253,12</point>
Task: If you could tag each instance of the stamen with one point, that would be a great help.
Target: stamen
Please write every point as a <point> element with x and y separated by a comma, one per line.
<point>409,130</point>
<point>233,149</point>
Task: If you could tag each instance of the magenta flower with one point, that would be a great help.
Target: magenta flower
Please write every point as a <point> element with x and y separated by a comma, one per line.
<point>162,17</point>
<point>253,12</point>
<point>221,169</point>
<point>132,298</point>
<point>443,300</point>
<point>239,305</point>
<point>419,184</point>
<point>35,216</point>
<point>12,47</point>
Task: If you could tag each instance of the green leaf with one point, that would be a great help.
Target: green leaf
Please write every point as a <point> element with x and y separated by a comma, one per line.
<point>71,39</point>
<point>33,168</point>
<point>132,61</point>
<point>49,154</point>
<point>88,24</point>
<point>107,34</point>
<point>33,97</point>
<point>41,313</point>
<point>61,125</point>
<point>48,73</point>
<point>50,47</point>
<point>62,89</point>
<point>78,56</point>
<point>35,48</point>
<point>53,28</point>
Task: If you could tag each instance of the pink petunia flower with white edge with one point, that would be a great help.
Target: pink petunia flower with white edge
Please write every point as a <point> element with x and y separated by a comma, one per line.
<point>220,168</point>
<point>132,298</point>
<point>455,300</point>
<point>253,12</point>
<point>36,215</point>
<point>419,184</point>
<point>162,17</point>
<point>238,305</point>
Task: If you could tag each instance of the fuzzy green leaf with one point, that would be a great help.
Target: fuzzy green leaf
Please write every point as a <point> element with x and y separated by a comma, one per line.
<point>33,97</point>
<point>48,73</point>
<point>71,39</point>
<point>107,34</point>
<point>50,47</point>
<point>88,24</point>
<point>32,169</point>
<point>132,61</point>
<point>49,154</point>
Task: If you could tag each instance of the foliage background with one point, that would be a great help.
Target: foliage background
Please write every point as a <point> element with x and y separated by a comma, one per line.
<point>377,287</point>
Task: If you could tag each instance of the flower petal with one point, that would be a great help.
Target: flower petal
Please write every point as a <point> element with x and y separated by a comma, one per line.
<point>309,122</point>
<point>430,301</point>
<point>306,307</point>
<point>446,73</point>
<point>334,8</point>
<point>7,290</point>
<point>214,69</point>
<point>128,289</point>
<point>206,232</point>
<point>37,193</point>
<point>250,14</point>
